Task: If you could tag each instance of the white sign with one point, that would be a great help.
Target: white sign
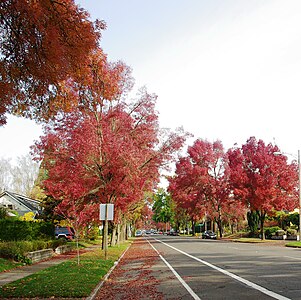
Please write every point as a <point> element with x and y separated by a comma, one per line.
<point>106,208</point>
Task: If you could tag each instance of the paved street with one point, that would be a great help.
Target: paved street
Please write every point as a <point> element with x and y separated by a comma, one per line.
<point>227,270</point>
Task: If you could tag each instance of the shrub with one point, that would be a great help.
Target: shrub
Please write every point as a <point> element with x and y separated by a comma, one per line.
<point>55,243</point>
<point>280,232</point>
<point>92,233</point>
<point>16,230</point>
<point>269,232</point>
<point>291,231</point>
<point>17,250</point>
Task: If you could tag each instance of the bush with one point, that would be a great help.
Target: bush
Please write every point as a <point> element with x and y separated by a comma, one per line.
<point>17,250</point>
<point>269,232</point>
<point>291,231</point>
<point>280,232</point>
<point>16,230</point>
<point>56,243</point>
<point>92,233</point>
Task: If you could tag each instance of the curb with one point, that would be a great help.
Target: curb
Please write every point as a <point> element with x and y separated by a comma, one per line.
<point>98,287</point>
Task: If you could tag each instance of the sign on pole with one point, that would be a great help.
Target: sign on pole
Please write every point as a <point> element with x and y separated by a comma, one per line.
<point>106,208</point>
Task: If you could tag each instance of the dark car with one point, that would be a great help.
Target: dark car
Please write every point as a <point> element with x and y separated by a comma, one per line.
<point>209,235</point>
<point>172,232</point>
<point>66,233</point>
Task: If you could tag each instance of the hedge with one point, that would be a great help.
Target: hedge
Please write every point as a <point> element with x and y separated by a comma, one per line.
<point>17,250</point>
<point>16,230</point>
<point>270,231</point>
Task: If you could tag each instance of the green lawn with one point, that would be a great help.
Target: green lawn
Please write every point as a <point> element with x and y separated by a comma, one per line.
<point>6,264</point>
<point>250,240</point>
<point>294,244</point>
<point>66,279</point>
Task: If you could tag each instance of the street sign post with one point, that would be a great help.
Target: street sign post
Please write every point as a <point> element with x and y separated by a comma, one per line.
<point>106,213</point>
<point>109,208</point>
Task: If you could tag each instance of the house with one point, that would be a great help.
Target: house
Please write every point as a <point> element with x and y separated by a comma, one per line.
<point>20,204</point>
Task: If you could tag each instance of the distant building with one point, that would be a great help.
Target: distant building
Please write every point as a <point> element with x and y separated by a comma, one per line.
<point>20,204</point>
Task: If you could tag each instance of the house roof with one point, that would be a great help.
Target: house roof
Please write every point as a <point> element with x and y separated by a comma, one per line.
<point>31,204</point>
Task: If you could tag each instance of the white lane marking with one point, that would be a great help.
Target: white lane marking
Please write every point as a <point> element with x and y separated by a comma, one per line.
<point>235,248</point>
<point>186,286</point>
<point>245,281</point>
<point>291,257</point>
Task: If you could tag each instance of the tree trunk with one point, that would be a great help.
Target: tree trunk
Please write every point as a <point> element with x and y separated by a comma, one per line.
<point>262,218</point>
<point>193,227</point>
<point>123,230</point>
<point>118,234</point>
<point>113,237</point>
<point>220,228</point>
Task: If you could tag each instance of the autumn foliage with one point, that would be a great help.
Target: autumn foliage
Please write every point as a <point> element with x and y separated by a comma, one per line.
<point>262,179</point>
<point>222,186</point>
<point>108,150</point>
<point>43,43</point>
<point>200,185</point>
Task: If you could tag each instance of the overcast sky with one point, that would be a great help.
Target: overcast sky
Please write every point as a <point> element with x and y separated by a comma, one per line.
<point>222,69</point>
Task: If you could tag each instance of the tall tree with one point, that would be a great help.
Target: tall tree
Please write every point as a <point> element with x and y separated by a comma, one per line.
<point>201,181</point>
<point>163,207</point>
<point>42,44</point>
<point>24,174</point>
<point>5,174</point>
<point>106,151</point>
<point>263,180</point>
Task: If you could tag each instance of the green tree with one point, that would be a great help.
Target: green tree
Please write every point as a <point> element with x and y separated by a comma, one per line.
<point>163,207</point>
<point>253,222</point>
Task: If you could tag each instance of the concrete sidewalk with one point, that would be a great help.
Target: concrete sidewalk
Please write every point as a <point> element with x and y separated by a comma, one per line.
<point>21,272</point>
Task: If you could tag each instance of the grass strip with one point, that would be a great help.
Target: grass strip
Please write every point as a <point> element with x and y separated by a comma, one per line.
<point>67,279</point>
<point>6,264</point>
<point>251,240</point>
<point>293,244</point>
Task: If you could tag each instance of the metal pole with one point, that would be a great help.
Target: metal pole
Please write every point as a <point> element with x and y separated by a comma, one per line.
<point>106,233</point>
<point>299,172</point>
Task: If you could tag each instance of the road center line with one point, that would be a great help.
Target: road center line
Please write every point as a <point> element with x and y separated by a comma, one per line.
<point>186,286</point>
<point>245,281</point>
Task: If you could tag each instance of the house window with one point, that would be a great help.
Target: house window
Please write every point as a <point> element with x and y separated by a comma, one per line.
<point>10,206</point>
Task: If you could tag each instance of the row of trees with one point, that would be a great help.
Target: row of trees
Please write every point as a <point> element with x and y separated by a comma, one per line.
<point>224,185</point>
<point>98,146</point>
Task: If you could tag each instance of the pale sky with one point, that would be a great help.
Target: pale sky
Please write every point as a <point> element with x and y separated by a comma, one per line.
<point>222,69</point>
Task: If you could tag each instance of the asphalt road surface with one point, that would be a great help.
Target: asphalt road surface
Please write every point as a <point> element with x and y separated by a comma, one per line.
<point>209,269</point>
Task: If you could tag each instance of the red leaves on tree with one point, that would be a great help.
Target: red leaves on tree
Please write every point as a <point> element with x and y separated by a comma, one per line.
<point>42,43</point>
<point>107,156</point>
<point>263,180</point>
<point>201,184</point>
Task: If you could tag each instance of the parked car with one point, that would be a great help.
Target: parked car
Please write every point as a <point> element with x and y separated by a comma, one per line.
<point>172,232</point>
<point>66,233</point>
<point>138,233</point>
<point>209,235</point>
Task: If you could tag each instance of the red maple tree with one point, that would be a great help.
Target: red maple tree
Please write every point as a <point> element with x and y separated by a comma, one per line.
<point>116,167</point>
<point>263,180</point>
<point>42,43</point>
<point>200,184</point>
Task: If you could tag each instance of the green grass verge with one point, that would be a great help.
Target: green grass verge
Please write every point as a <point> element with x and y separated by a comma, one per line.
<point>251,240</point>
<point>66,279</point>
<point>6,264</point>
<point>294,244</point>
